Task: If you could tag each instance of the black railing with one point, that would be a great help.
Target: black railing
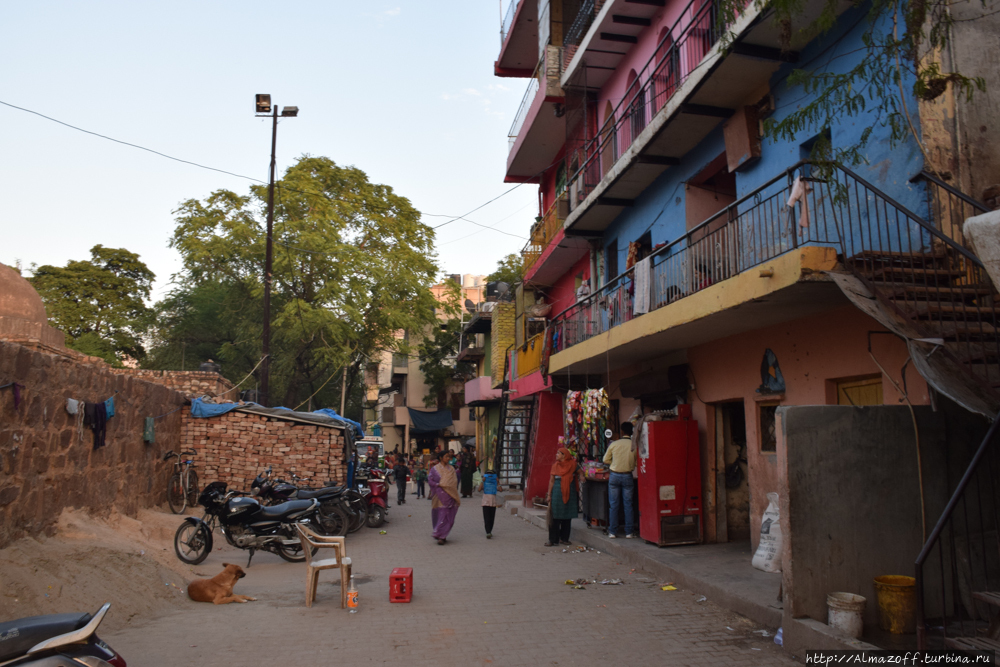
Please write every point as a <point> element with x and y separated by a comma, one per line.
<point>958,569</point>
<point>580,25</point>
<point>947,207</point>
<point>677,55</point>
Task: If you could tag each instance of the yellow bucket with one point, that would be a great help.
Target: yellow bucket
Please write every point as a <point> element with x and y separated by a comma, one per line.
<point>897,603</point>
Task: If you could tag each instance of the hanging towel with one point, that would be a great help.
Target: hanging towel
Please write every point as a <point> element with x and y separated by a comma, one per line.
<point>148,431</point>
<point>642,283</point>
<point>798,194</point>
<point>17,392</point>
<point>72,406</point>
<point>109,407</point>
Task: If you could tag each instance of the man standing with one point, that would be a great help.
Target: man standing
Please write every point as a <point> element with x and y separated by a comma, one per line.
<point>621,458</point>
<point>400,471</point>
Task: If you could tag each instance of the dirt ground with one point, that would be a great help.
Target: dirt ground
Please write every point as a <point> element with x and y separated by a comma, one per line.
<point>129,562</point>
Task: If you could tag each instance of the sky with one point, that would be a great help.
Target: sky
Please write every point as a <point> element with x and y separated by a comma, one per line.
<point>403,90</point>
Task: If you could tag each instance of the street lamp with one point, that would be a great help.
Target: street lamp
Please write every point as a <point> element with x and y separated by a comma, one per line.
<point>264,108</point>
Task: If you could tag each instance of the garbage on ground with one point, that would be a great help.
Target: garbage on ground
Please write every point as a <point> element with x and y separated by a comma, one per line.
<point>762,633</point>
<point>579,588</point>
<point>701,599</point>
<point>612,582</point>
<point>383,532</point>
<point>668,588</point>
<point>730,629</point>
<point>777,638</point>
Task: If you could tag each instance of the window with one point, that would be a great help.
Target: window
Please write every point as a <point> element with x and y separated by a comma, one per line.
<point>645,246</point>
<point>767,432</point>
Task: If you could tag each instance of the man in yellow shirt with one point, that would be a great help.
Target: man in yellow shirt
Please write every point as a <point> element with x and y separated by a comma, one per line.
<point>621,458</point>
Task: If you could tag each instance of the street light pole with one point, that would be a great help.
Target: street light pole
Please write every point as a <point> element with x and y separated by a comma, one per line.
<point>265,367</point>
<point>265,108</point>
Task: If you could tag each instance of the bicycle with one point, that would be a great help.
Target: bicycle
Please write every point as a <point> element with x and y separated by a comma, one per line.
<point>182,489</point>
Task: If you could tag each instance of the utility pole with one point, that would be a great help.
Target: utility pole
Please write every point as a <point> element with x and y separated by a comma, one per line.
<point>264,108</point>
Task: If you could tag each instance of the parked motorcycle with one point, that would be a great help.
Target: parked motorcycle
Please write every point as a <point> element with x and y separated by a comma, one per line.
<point>342,510</point>
<point>246,524</point>
<point>57,640</point>
<point>374,486</point>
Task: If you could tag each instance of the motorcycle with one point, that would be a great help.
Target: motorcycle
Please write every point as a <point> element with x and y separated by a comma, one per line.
<point>246,524</point>
<point>374,486</point>
<point>57,640</point>
<point>342,510</point>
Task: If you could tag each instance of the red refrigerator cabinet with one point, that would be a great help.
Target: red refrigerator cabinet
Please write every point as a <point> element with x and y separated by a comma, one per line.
<point>669,484</point>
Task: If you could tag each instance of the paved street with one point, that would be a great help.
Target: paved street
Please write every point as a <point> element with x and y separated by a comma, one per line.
<point>477,602</point>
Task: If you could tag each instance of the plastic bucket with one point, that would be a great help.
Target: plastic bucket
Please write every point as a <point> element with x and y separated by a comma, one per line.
<point>897,603</point>
<point>844,613</point>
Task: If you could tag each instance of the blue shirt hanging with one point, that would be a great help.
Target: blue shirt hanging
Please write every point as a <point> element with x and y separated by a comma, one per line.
<point>109,406</point>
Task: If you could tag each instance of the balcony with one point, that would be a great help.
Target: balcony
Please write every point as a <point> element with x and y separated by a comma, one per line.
<point>549,253</point>
<point>539,128</point>
<point>518,39</point>
<point>690,85</point>
<point>478,392</point>
<point>600,35</point>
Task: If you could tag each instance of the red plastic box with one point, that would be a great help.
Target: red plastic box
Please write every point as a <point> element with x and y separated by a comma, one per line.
<point>401,584</point>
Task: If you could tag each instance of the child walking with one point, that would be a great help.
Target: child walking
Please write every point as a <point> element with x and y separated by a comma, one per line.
<point>421,478</point>
<point>489,487</point>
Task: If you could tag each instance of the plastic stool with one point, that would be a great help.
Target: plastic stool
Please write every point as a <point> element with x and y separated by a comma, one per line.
<point>401,584</point>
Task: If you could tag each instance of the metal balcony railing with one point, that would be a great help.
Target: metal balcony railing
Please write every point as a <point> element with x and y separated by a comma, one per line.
<point>534,83</point>
<point>543,233</point>
<point>678,54</point>
<point>508,21</point>
<point>913,265</point>
<point>578,29</point>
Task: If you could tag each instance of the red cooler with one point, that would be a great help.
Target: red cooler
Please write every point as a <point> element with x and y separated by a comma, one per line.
<point>669,484</point>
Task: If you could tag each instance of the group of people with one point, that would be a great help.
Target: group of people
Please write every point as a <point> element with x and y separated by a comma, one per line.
<point>443,480</point>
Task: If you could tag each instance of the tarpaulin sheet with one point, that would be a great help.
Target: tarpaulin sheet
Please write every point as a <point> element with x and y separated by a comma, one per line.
<point>200,408</point>
<point>332,414</point>
<point>429,422</point>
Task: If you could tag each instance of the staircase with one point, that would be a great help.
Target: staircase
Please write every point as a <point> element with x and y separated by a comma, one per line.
<point>515,431</point>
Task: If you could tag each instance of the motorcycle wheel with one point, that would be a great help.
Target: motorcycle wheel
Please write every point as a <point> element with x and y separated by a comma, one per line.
<point>359,506</point>
<point>291,553</point>
<point>332,521</point>
<point>175,494</point>
<point>376,516</point>
<point>191,543</point>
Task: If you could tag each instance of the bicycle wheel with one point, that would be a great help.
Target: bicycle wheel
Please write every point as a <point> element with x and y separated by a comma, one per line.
<point>192,488</point>
<point>175,494</point>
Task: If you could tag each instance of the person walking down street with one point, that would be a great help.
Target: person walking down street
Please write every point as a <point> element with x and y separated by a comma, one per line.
<point>489,487</point>
<point>621,485</point>
<point>420,476</point>
<point>444,497</point>
<point>400,471</point>
<point>562,496</point>
<point>468,462</point>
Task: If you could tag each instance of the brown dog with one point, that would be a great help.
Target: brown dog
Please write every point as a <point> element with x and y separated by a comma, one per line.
<point>219,589</point>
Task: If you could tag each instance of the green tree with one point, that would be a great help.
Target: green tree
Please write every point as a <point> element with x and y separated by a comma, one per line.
<point>99,303</point>
<point>438,350</point>
<point>352,266</point>
<point>510,270</point>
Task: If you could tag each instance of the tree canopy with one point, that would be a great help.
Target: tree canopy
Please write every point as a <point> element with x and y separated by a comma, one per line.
<point>438,349</point>
<point>510,270</point>
<point>99,303</point>
<point>352,266</point>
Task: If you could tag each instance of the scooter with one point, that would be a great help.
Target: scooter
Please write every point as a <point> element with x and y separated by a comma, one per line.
<point>57,640</point>
<point>374,486</point>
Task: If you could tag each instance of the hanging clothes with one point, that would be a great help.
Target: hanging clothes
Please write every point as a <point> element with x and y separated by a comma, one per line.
<point>149,431</point>
<point>72,406</point>
<point>642,283</point>
<point>109,407</point>
<point>96,417</point>
<point>17,392</point>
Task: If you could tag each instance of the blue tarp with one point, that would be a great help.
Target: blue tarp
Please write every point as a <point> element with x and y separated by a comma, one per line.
<point>429,422</point>
<point>332,414</point>
<point>200,408</point>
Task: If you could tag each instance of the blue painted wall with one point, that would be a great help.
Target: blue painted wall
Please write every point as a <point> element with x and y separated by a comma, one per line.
<point>660,208</point>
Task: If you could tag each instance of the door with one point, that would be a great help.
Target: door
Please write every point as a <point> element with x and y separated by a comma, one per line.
<point>733,486</point>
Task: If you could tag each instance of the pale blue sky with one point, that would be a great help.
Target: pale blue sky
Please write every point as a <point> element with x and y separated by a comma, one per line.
<point>402,89</point>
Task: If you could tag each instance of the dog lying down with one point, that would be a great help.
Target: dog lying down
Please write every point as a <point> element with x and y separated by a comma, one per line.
<point>219,589</point>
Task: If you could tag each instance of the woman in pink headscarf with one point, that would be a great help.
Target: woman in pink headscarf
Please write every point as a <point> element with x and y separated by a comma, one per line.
<point>443,483</point>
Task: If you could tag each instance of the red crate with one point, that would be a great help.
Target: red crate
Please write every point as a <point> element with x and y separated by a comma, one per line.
<point>401,584</point>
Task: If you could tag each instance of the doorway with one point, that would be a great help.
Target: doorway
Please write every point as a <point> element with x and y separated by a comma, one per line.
<point>733,488</point>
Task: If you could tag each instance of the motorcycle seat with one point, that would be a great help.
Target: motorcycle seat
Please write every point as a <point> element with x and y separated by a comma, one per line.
<point>317,493</point>
<point>279,511</point>
<point>18,637</point>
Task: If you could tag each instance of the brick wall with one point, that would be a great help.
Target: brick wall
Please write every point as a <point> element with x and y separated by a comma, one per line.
<point>192,383</point>
<point>48,463</point>
<point>234,447</point>
<point>501,337</point>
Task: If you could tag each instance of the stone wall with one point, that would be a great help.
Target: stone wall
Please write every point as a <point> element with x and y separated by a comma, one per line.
<point>235,447</point>
<point>192,383</point>
<point>48,462</point>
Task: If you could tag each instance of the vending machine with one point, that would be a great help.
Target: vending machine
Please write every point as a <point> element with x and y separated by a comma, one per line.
<point>669,484</point>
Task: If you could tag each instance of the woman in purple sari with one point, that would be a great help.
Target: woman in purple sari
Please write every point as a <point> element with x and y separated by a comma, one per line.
<point>443,483</point>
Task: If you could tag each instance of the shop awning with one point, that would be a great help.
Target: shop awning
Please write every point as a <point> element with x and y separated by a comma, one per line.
<point>429,422</point>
